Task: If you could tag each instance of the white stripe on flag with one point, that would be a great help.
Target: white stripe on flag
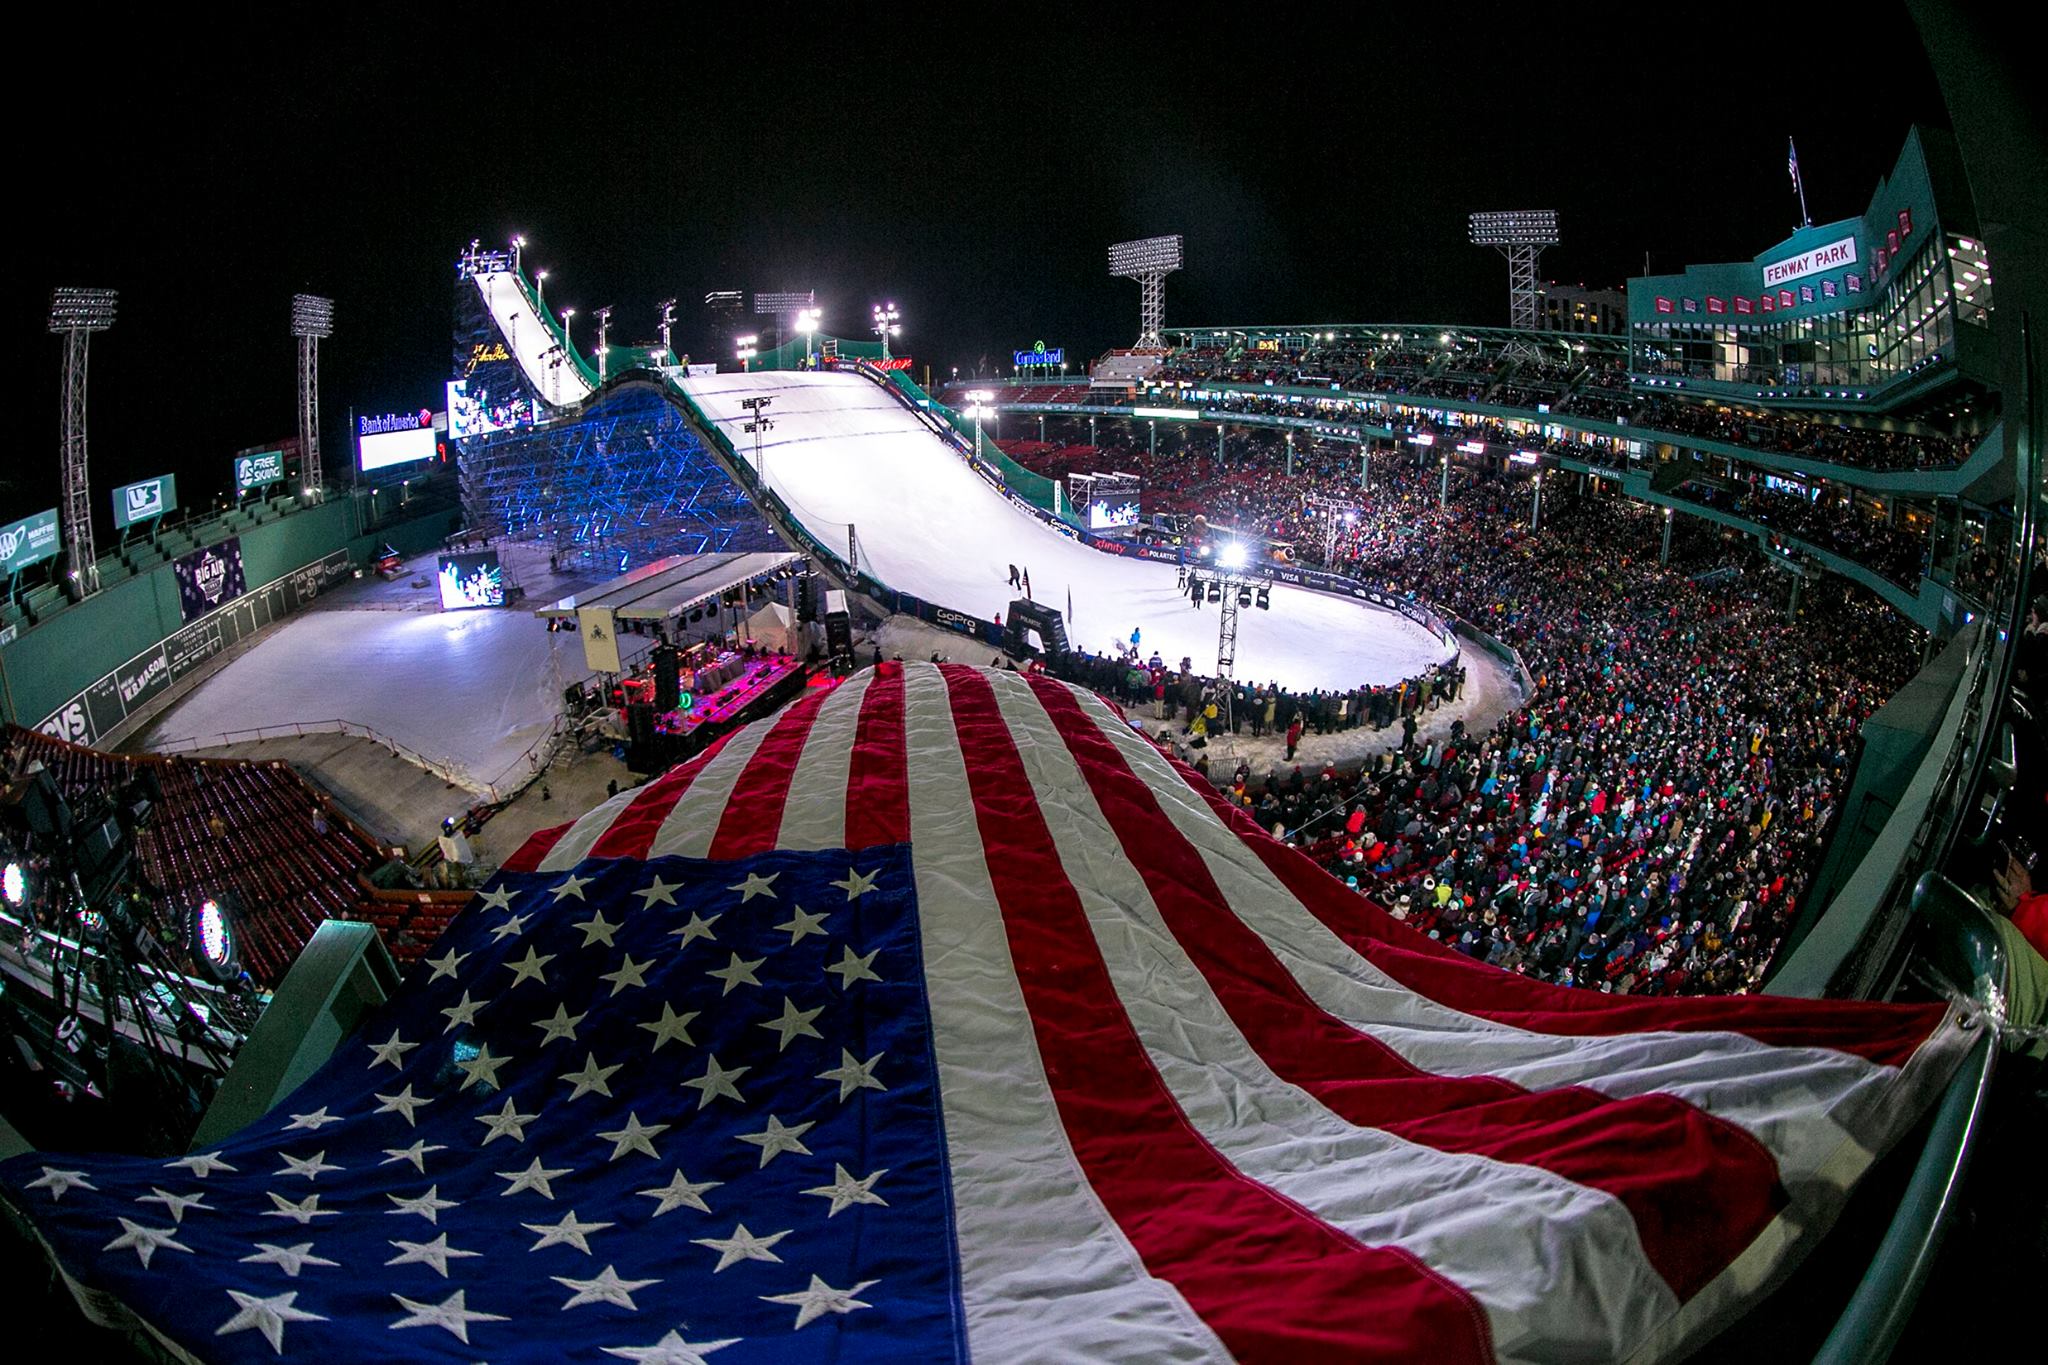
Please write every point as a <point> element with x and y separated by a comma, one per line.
<point>574,846</point>
<point>1802,1103</point>
<point>1557,1266</point>
<point>1045,1271</point>
<point>824,766</point>
<point>693,821</point>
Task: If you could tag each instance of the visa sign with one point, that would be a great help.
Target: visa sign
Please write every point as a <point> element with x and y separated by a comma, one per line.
<point>254,471</point>
<point>144,501</point>
<point>24,542</point>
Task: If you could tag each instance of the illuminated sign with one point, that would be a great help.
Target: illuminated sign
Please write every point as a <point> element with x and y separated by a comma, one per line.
<point>1039,355</point>
<point>1173,414</point>
<point>406,421</point>
<point>389,448</point>
<point>892,362</point>
<point>1472,447</point>
<point>1834,254</point>
<point>24,542</point>
<point>483,353</point>
<point>1525,457</point>
<point>254,471</point>
<point>144,501</point>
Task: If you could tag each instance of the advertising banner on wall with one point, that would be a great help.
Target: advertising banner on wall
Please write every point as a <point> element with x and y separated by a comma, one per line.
<point>254,471</point>
<point>24,542</point>
<point>209,578</point>
<point>145,500</point>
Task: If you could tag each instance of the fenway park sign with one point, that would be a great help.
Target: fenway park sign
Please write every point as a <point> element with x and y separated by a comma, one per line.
<point>1812,262</point>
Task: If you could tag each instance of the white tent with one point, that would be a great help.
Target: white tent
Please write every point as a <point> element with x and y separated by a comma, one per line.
<point>776,626</point>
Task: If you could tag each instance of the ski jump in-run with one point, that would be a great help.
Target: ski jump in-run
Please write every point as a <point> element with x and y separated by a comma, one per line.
<point>846,452</point>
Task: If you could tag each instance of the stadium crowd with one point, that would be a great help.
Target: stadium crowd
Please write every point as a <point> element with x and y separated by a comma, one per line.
<point>1648,819</point>
<point>1595,385</point>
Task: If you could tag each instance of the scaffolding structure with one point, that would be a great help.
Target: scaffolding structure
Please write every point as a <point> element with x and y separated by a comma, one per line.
<point>621,483</point>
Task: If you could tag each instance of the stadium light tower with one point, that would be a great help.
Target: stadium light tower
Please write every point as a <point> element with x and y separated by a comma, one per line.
<point>312,319</point>
<point>1148,261</point>
<point>761,423</point>
<point>749,347</point>
<point>668,322</point>
<point>1520,235</point>
<point>540,280</point>
<point>807,323</point>
<point>978,400</point>
<point>604,347</point>
<point>518,246</point>
<point>886,325</point>
<point>75,314</point>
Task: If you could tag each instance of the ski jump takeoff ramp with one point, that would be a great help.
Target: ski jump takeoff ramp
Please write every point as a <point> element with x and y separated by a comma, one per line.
<point>843,451</point>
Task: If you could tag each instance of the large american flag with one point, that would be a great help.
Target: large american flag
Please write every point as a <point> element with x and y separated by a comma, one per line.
<point>942,1017</point>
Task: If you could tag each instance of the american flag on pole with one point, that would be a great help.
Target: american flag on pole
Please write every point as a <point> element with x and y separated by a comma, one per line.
<point>942,1017</point>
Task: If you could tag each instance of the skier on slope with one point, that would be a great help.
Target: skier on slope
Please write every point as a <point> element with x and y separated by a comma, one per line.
<point>1015,581</point>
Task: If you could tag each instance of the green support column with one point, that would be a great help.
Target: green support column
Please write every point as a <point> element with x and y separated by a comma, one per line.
<point>1290,454</point>
<point>1152,437</point>
<point>1665,557</point>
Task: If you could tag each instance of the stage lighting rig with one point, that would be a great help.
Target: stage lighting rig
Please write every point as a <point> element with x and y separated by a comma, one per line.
<point>886,325</point>
<point>111,988</point>
<point>1229,586</point>
<point>758,424</point>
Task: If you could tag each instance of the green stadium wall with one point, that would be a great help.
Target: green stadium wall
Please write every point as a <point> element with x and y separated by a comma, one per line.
<point>45,667</point>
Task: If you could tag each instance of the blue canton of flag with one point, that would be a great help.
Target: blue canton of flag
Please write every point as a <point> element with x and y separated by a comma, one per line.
<point>541,1148</point>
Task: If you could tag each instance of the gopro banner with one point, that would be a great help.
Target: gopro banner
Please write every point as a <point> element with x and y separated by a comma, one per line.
<point>24,542</point>
<point>254,471</point>
<point>209,578</point>
<point>144,501</point>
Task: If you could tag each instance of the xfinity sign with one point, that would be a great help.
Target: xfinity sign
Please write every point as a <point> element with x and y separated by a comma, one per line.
<point>144,501</point>
<point>1828,257</point>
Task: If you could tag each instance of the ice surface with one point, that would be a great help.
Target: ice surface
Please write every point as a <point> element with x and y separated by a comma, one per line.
<point>471,690</point>
<point>844,452</point>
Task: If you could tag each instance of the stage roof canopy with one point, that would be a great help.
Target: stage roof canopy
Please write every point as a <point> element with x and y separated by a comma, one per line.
<point>669,587</point>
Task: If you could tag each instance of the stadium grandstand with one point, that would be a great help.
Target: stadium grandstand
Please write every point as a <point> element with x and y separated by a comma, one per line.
<point>1625,736</point>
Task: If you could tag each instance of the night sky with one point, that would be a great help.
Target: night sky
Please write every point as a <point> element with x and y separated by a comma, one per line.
<point>1320,163</point>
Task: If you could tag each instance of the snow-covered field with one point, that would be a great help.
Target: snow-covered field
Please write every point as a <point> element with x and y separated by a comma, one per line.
<point>844,452</point>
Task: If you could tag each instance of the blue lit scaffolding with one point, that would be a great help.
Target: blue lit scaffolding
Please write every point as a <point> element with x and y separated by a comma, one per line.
<point>621,482</point>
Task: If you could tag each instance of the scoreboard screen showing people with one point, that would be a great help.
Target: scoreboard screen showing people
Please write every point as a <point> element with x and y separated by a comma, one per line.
<point>1112,500</point>
<point>472,580</point>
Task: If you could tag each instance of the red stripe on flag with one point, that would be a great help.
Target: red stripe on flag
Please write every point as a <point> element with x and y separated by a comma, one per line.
<point>1274,1282</point>
<point>1698,1189</point>
<point>878,784</point>
<point>1885,1034</point>
<point>632,834</point>
<point>527,857</point>
<point>753,812</point>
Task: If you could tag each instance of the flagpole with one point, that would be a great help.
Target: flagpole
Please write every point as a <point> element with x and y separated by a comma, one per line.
<point>1799,183</point>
